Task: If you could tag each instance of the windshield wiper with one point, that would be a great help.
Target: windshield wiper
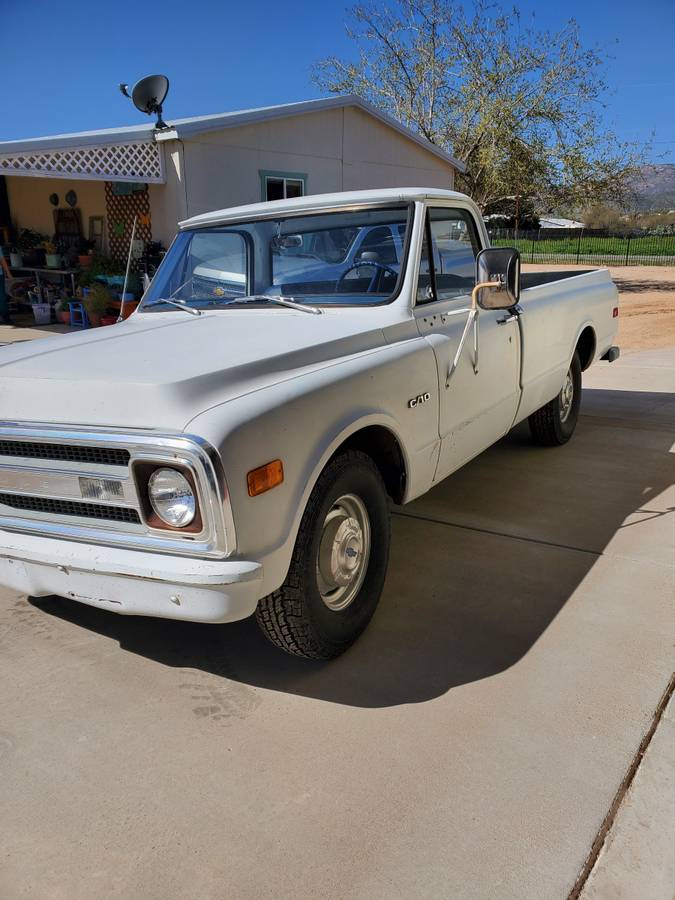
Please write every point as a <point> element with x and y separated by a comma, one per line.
<point>181,304</point>
<point>281,300</point>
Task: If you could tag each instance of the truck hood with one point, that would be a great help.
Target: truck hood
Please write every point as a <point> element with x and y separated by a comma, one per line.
<point>159,370</point>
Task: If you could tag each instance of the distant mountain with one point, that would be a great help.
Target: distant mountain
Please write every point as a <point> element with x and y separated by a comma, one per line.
<point>655,188</point>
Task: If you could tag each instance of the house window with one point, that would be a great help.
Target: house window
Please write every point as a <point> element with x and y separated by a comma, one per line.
<point>282,185</point>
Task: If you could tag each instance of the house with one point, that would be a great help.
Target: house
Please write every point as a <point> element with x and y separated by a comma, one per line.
<point>208,162</point>
<point>546,222</point>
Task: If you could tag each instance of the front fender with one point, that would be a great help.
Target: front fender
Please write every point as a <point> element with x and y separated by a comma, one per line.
<point>303,422</point>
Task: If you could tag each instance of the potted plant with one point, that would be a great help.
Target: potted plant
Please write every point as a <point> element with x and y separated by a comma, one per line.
<point>96,302</point>
<point>110,270</point>
<point>63,310</point>
<point>15,257</point>
<point>85,250</point>
<point>54,257</point>
<point>30,245</point>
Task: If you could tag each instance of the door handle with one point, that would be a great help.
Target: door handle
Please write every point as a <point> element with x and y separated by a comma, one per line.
<point>512,315</point>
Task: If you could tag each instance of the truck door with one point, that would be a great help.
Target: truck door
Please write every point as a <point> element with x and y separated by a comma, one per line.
<point>475,407</point>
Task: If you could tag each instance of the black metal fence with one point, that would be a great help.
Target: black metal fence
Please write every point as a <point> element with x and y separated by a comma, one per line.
<point>588,246</point>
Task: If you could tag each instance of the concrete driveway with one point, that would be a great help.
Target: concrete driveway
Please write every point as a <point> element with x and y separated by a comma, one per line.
<point>469,745</point>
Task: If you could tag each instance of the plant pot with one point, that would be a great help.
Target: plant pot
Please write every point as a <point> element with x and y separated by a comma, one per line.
<point>16,260</point>
<point>108,320</point>
<point>42,313</point>
<point>34,259</point>
<point>63,315</point>
<point>85,260</point>
<point>94,319</point>
<point>130,306</point>
<point>54,261</point>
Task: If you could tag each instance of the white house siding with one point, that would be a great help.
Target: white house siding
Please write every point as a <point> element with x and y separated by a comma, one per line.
<point>337,149</point>
<point>168,202</point>
<point>375,156</point>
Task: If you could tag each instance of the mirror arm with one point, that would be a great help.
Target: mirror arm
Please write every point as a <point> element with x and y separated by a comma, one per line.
<point>472,319</point>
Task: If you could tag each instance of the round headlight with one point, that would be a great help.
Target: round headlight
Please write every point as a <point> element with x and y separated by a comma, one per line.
<point>172,497</point>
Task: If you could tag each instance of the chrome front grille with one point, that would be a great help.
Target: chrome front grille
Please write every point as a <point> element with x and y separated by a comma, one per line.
<point>105,456</point>
<point>71,508</point>
<point>81,484</point>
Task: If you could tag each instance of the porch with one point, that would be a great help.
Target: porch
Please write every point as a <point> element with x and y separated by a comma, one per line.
<point>67,211</point>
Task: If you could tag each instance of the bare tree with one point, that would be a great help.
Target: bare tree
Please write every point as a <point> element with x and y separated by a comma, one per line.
<point>520,106</point>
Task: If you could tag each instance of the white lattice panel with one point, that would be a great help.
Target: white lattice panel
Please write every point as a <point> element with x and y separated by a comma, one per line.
<point>140,161</point>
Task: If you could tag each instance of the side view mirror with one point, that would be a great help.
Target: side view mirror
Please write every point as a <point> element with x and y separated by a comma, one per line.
<point>497,287</point>
<point>287,242</point>
<point>498,273</point>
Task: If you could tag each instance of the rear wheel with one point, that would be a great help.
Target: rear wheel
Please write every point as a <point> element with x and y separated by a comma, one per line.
<point>554,423</point>
<point>338,566</point>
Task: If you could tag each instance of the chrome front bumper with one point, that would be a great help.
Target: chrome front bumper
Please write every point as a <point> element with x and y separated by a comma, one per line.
<point>130,582</point>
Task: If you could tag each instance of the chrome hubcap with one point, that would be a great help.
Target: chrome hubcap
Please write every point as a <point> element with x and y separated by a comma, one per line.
<point>566,397</point>
<point>344,550</point>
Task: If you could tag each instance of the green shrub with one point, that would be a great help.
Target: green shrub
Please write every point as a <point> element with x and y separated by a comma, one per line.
<point>97,300</point>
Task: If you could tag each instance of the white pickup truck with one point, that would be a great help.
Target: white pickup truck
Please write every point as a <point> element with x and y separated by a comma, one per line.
<point>295,367</point>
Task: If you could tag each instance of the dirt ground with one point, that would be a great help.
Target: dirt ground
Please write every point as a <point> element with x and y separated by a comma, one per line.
<point>646,304</point>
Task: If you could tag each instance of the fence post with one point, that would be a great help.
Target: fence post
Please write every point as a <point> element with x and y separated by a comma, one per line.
<point>627,250</point>
<point>581,231</point>
<point>532,255</point>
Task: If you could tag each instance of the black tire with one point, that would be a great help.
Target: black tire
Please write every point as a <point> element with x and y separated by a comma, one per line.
<point>295,617</point>
<point>548,425</point>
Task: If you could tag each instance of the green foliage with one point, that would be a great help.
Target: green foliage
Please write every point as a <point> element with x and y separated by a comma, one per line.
<point>594,249</point>
<point>600,215</point>
<point>100,265</point>
<point>105,265</point>
<point>29,239</point>
<point>85,278</point>
<point>522,107</point>
<point>97,301</point>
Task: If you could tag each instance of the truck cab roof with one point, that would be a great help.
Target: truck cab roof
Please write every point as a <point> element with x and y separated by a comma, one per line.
<point>315,202</point>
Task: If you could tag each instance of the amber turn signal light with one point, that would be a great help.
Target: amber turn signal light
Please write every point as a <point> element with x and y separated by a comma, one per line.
<point>265,477</point>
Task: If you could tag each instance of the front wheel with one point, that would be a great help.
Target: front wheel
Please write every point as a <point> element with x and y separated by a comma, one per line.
<point>554,423</point>
<point>338,566</point>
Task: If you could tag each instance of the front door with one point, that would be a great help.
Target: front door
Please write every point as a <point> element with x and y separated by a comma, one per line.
<point>478,406</point>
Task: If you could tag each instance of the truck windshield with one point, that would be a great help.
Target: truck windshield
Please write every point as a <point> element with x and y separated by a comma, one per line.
<point>350,258</point>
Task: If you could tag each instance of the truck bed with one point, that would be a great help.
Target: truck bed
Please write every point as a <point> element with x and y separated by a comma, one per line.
<point>535,279</point>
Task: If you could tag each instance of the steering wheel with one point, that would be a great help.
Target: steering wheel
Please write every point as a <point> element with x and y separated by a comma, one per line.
<point>380,269</point>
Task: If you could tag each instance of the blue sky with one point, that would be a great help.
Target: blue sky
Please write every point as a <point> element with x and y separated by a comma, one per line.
<point>61,63</point>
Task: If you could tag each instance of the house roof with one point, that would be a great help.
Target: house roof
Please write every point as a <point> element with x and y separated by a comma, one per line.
<point>547,222</point>
<point>180,128</point>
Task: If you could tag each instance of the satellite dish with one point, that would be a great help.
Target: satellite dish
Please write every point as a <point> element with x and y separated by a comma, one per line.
<point>148,95</point>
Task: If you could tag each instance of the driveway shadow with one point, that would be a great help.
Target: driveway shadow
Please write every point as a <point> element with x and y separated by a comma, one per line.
<point>480,567</point>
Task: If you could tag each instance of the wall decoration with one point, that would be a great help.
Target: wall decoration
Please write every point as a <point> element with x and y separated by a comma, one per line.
<point>68,227</point>
<point>71,198</point>
<point>54,199</point>
<point>97,232</point>
<point>120,211</point>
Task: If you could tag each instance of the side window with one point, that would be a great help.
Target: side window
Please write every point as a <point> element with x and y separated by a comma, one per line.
<point>425,290</point>
<point>447,264</point>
